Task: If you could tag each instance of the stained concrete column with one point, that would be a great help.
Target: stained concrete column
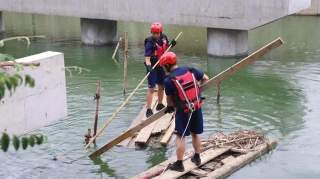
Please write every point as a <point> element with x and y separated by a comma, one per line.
<point>98,31</point>
<point>226,42</point>
<point>1,23</point>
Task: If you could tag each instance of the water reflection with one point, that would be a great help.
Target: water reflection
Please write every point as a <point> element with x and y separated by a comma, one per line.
<point>277,95</point>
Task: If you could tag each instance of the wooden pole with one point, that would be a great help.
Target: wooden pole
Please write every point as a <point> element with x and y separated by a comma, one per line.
<point>116,49</point>
<point>96,117</point>
<point>234,68</point>
<point>125,64</point>
<point>127,100</point>
<point>218,92</point>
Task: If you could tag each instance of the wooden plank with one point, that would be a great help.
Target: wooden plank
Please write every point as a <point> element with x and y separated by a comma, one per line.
<point>199,172</point>
<point>257,54</point>
<point>233,165</point>
<point>145,133</point>
<point>243,63</point>
<point>163,124</point>
<point>141,117</point>
<point>189,165</point>
<point>136,121</point>
<point>157,170</point>
<point>167,136</point>
<point>228,159</point>
<point>127,134</point>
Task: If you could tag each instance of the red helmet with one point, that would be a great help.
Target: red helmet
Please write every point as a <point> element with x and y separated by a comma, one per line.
<point>168,58</point>
<point>156,27</point>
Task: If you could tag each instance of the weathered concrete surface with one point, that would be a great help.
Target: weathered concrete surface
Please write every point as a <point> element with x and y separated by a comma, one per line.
<point>224,42</point>
<point>313,10</point>
<point>225,14</point>
<point>31,108</point>
<point>240,15</point>
<point>98,31</point>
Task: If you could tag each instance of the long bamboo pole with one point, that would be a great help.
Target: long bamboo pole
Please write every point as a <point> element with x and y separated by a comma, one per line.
<point>126,101</point>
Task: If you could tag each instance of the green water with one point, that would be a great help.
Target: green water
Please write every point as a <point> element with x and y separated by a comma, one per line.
<point>278,95</point>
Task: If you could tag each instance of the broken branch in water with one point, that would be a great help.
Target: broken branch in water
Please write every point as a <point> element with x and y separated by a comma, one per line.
<point>14,63</point>
<point>26,38</point>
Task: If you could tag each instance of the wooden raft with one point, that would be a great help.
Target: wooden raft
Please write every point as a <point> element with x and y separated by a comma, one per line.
<point>216,80</point>
<point>160,131</point>
<point>216,163</point>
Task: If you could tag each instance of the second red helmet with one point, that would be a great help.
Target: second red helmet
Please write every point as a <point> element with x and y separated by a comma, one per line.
<point>156,27</point>
<point>168,58</point>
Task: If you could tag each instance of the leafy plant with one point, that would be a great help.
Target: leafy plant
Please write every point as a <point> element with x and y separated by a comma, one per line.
<point>10,82</point>
<point>24,142</point>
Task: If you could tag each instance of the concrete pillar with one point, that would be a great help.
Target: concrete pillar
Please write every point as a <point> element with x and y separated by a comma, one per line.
<point>227,43</point>
<point>98,31</point>
<point>1,23</point>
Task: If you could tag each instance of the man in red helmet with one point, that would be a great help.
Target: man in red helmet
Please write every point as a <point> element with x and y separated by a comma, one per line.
<point>155,46</point>
<point>183,96</point>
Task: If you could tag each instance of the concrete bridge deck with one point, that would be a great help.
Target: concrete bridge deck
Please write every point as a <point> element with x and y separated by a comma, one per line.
<point>228,21</point>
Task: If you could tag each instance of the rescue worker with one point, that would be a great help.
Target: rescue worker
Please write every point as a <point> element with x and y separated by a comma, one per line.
<point>183,96</point>
<point>155,46</point>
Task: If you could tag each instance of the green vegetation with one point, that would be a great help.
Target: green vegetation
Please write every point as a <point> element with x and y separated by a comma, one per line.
<point>23,142</point>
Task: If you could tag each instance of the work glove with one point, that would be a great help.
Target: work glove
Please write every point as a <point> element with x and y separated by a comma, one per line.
<point>173,43</point>
<point>148,67</point>
<point>169,109</point>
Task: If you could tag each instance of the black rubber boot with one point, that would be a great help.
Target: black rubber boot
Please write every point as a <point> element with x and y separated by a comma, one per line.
<point>196,159</point>
<point>159,107</point>
<point>176,166</point>
<point>149,113</point>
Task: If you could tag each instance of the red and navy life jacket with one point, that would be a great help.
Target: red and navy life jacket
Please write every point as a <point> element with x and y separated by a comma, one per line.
<point>188,92</point>
<point>158,47</point>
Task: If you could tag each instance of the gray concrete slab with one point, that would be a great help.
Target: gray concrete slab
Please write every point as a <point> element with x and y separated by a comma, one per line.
<point>224,14</point>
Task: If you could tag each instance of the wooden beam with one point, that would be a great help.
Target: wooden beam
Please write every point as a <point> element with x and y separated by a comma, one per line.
<point>234,68</point>
<point>141,117</point>
<point>163,124</point>
<point>228,159</point>
<point>167,136</point>
<point>96,117</point>
<point>231,166</point>
<point>243,63</point>
<point>189,165</point>
<point>199,172</point>
<point>136,121</point>
<point>128,134</point>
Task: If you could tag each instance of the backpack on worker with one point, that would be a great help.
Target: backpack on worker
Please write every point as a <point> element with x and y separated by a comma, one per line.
<point>188,92</point>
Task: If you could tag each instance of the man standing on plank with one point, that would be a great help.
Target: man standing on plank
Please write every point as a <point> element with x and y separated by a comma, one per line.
<point>155,46</point>
<point>183,96</point>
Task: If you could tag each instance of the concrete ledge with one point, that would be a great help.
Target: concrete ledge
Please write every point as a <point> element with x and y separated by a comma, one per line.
<point>313,10</point>
<point>31,108</point>
<point>225,14</point>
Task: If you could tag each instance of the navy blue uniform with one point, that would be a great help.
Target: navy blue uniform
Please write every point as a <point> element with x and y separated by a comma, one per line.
<point>157,75</point>
<point>181,119</point>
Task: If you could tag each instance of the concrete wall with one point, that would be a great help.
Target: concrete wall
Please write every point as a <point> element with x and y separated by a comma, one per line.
<point>31,108</point>
<point>224,14</point>
<point>313,10</point>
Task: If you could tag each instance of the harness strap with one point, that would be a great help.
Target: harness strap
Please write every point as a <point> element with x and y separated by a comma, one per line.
<point>196,87</point>
<point>184,94</point>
